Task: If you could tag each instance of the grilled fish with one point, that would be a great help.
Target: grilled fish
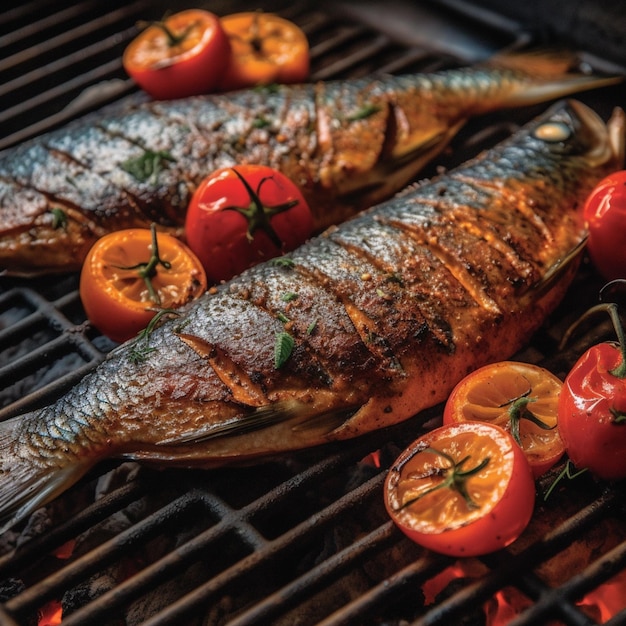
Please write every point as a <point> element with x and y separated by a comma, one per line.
<point>347,144</point>
<point>363,326</point>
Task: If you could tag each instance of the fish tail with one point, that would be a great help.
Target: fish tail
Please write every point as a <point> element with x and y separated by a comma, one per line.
<point>27,483</point>
<point>540,75</point>
<point>546,63</point>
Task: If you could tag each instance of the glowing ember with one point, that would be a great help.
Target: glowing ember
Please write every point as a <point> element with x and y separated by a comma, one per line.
<point>65,551</point>
<point>372,459</point>
<point>601,604</point>
<point>51,614</point>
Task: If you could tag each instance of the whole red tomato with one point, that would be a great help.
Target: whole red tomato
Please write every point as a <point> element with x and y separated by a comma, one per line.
<point>592,409</point>
<point>185,55</point>
<point>243,215</point>
<point>605,216</point>
<point>463,489</point>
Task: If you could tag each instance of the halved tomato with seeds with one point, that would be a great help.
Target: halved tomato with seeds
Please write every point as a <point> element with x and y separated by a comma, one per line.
<point>130,275</point>
<point>520,397</point>
<point>463,490</point>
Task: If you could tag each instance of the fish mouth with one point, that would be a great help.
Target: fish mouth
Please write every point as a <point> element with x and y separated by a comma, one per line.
<point>606,141</point>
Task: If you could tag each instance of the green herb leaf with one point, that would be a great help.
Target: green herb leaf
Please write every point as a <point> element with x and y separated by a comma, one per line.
<point>148,165</point>
<point>260,122</point>
<point>59,218</point>
<point>364,112</point>
<point>282,349</point>
<point>289,296</point>
<point>311,327</point>
<point>282,261</point>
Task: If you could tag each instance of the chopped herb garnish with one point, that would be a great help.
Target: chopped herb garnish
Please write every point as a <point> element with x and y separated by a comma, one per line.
<point>260,122</point>
<point>59,218</point>
<point>283,318</point>
<point>141,348</point>
<point>282,261</point>
<point>311,327</point>
<point>364,112</point>
<point>289,296</point>
<point>283,348</point>
<point>148,165</point>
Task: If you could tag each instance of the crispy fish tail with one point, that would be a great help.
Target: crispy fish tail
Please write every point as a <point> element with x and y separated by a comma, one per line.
<point>550,74</point>
<point>26,483</point>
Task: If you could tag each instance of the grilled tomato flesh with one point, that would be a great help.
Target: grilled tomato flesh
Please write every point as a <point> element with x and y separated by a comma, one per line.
<point>463,489</point>
<point>522,398</point>
<point>130,275</point>
<point>266,49</point>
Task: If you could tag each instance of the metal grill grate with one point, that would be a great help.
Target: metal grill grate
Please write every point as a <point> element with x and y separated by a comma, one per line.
<point>303,540</point>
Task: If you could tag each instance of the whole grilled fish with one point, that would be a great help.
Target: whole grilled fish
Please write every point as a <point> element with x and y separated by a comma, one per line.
<point>347,144</point>
<point>362,327</point>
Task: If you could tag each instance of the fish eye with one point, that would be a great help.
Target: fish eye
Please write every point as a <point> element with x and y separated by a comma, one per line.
<point>553,132</point>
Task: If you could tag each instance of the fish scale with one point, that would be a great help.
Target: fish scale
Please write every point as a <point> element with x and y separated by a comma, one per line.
<point>407,299</point>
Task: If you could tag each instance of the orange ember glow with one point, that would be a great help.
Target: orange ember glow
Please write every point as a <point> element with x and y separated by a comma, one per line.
<point>51,614</point>
<point>372,459</point>
<point>601,604</point>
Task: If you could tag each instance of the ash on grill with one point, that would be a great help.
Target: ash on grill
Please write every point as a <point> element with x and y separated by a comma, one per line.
<point>304,539</point>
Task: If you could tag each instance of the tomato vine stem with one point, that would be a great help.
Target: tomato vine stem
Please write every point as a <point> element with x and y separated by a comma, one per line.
<point>257,214</point>
<point>518,410</point>
<point>148,269</point>
<point>455,477</point>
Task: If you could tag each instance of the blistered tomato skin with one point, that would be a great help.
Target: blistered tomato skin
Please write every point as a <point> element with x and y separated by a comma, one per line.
<point>185,55</point>
<point>493,506</point>
<point>592,413</point>
<point>244,215</point>
<point>605,217</point>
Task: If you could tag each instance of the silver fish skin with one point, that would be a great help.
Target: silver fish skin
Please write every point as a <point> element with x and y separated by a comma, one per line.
<point>360,328</point>
<point>347,144</point>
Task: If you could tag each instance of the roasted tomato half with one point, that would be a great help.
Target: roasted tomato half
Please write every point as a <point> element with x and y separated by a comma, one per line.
<point>463,489</point>
<point>243,215</point>
<point>184,55</point>
<point>131,275</point>
<point>266,49</point>
<point>520,397</point>
<point>605,217</point>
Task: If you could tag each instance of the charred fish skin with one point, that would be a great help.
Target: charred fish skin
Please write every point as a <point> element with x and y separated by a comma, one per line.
<point>385,314</point>
<point>347,144</point>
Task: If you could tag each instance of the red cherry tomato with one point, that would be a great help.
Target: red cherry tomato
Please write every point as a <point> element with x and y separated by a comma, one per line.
<point>185,55</point>
<point>124,282</point>
<point>605,217</point>
<point>520,397</point>
<point>243,215</point>
<point>463,489</point>
<point>592,409</point>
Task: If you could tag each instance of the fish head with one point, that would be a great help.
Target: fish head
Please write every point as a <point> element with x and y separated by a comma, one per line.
<point>572,129</point>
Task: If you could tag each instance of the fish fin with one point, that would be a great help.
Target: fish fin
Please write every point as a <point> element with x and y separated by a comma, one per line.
<point>556,271</point>
<point>25,485</point>
<point>300,413</point>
